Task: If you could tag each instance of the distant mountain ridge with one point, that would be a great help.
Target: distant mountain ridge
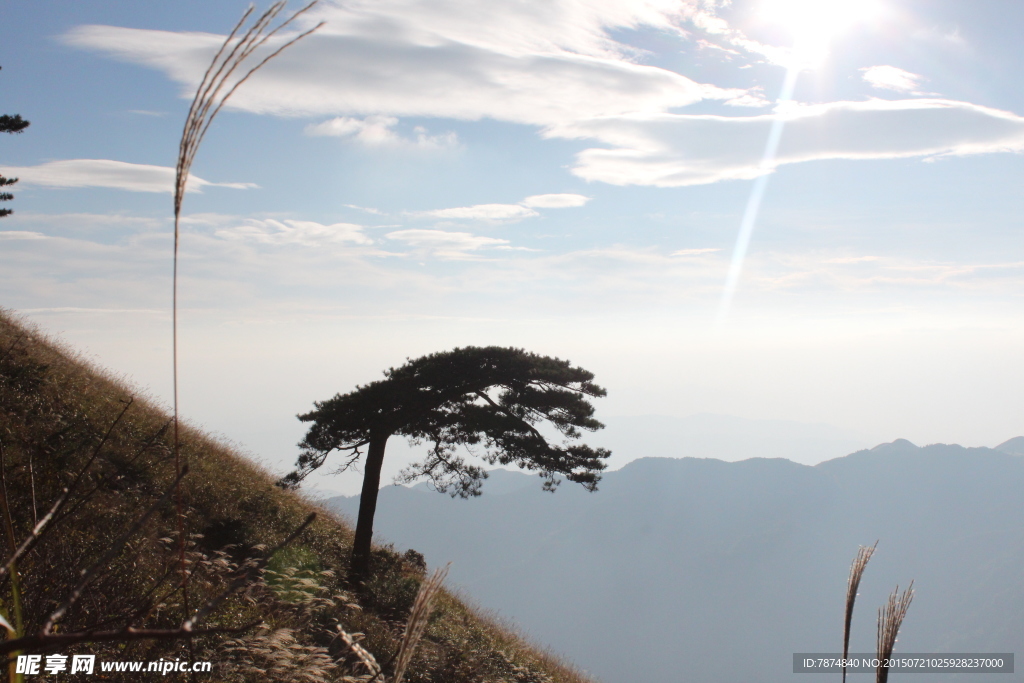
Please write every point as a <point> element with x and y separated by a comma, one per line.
<point>699,569</point>
<point>727,437</point>
<point>1014,446</point>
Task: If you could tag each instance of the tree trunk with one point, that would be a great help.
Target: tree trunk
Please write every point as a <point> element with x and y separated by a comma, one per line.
<point>367,507</point>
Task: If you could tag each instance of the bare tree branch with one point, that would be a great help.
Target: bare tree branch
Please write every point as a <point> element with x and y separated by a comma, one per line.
<point>31,539</point>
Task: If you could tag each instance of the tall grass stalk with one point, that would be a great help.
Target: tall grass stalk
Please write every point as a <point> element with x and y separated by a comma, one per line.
<point>418,618</point>
<point>16,630</point>
<point>860,563</point>
<point>219,83</point>
<point>890,618</point>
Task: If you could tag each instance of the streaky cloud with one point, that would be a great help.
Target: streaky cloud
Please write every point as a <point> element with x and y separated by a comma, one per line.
<point>484,212</point>
<point>358,69</point>
<point>119,175</point>
<point>672,150</point>
<point>555,201</point>
<point>295,232</point>
<point>507,213</point>
<point>21,235</point>
<point>446,245</point>
<point>378,131</point>
<point>888,77</point>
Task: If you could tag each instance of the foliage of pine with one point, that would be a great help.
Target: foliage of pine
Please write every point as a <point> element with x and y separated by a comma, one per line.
<point>10,124</point>
<point>489,399</point>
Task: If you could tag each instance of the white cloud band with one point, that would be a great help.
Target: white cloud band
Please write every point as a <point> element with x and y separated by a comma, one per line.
<point>668,150</point>
<point>107,173</point>
<point>380,59</point>
<point>303,233</point>
<point>892,78</point>
<point>445,245</point>
<point>555,201</point>
<point>484,212</point>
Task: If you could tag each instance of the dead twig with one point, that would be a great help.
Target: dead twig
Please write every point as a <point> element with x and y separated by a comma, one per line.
<point>31,539</point>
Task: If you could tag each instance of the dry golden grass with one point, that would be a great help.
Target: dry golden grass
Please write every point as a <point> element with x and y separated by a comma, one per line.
<point>55,408</point>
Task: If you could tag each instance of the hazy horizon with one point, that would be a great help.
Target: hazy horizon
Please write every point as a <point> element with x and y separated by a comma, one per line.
<point>566,177</point>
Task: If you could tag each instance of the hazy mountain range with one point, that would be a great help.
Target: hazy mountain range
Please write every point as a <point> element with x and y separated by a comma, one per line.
<point>726,437</point>
<point>687,569</point>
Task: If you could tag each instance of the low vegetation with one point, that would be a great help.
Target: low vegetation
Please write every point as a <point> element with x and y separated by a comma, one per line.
<point>78,442</point>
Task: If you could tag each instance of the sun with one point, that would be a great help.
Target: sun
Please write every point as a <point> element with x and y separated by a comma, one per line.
<point>814,24</point>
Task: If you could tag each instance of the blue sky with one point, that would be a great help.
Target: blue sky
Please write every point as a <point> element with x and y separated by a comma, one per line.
<point>568,176</point>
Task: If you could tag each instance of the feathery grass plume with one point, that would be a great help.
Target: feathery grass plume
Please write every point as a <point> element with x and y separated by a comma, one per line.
<point>368,661</point>
<point>218,84</point>
<point>890,617</point>
<point>860,563</point>
<point>418,618</point>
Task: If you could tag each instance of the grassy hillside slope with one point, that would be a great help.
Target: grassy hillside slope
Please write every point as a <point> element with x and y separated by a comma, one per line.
<point>57,412</point>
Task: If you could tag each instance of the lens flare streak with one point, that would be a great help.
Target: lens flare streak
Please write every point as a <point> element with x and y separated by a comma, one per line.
<point>765,169</point>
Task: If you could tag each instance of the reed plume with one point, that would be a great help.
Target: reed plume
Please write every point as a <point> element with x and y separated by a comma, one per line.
<point>417,623</point>
<point>860,563</point>
<point>218,84</point>
<point>890,618</point>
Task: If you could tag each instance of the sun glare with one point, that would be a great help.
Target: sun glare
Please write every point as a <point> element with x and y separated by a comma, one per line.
<point>813,24</point>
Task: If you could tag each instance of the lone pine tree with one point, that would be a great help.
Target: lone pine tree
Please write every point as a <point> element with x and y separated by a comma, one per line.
<point>9,124</point>
<point>490,399</point>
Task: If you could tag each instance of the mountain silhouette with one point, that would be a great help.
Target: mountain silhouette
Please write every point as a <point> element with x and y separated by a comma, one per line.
<point>698,569</point>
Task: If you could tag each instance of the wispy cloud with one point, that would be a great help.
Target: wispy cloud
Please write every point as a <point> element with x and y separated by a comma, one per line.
<point>892,78</point>
<point>90,222</point>
<point>108,173</point>
<point>535,63</point>
<point>379,131</point>
<point>289,265</point>
<point>367,209</point>
<point>560,66</point>
<point>695,252</point>
<point>303,233</point>
<point>752,99</point>
<point>668,150</point>
<point>483,212</point>
<point>728,40</point>
<point>21,235</point>
<point>555,201</point>
<point>508,213</point>
<point>448,246</point>
<point>870,273</point>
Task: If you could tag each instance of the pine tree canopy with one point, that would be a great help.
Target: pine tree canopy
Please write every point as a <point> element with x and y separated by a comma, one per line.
<point>12,124</point>
<point>489,400</point>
